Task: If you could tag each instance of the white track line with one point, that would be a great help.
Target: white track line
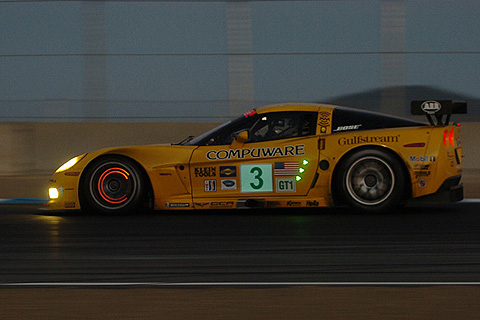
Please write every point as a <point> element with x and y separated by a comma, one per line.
<point>470,201</point>
<point>232,284</point>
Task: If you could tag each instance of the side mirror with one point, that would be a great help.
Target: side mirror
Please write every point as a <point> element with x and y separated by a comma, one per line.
<point>239,140</point>
<point>242,136</point>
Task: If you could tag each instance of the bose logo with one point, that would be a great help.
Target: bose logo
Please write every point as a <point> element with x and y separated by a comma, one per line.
<point>346,128</point>
<point>431,107</point>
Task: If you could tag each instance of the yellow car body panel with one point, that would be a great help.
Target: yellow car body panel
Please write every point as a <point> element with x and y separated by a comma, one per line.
<point>166,166</point>
<point>297,171</point>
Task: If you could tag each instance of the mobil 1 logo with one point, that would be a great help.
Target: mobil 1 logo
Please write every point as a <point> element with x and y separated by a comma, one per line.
<point>286,184</point>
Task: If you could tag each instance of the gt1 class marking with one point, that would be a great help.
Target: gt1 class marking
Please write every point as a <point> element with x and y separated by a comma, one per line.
<point>286,185</point>
<point>256,178</point>
<point>268,152</point>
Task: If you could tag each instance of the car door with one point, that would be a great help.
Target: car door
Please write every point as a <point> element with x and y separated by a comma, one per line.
<point>278,159</point>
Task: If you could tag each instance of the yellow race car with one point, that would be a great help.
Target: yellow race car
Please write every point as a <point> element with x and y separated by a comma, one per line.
<point>284,155</point>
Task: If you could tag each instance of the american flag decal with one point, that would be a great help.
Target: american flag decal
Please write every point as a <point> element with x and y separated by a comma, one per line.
<point>286,168</point>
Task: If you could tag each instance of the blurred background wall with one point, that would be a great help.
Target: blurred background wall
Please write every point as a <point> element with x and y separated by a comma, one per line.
<point>76,76</point>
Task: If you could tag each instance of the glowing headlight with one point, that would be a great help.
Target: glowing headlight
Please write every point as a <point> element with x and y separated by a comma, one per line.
<point>70,163</point>
<point>53,193</point>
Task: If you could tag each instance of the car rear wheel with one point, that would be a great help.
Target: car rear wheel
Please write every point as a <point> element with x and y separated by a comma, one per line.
<point>372,181</point>
<point>113,185</point>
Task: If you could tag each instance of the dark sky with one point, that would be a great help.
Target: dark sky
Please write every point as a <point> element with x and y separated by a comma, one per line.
<point>163,61</point>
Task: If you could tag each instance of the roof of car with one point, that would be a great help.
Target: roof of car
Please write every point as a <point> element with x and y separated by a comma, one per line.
<point>293,107</point>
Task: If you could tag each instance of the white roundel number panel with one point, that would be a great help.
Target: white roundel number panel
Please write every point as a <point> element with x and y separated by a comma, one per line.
<point>256,178</point>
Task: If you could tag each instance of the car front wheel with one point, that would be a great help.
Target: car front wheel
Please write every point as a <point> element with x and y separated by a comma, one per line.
<point>113,184</point>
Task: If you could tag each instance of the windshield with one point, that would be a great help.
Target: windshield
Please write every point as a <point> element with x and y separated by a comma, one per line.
<point>260,127</point>
<point>225,133</point>
<point>197,140</point>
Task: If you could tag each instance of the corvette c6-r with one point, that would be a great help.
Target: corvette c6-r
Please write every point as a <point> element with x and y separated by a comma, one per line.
<point>285,155</point>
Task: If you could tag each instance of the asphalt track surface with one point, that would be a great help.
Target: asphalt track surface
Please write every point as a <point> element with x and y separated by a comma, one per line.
<point>417,244</point>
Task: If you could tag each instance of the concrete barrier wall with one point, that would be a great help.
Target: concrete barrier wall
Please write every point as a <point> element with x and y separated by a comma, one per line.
<point>31,151</point>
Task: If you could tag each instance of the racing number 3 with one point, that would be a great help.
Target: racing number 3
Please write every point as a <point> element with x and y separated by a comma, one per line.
<point>256,178</point>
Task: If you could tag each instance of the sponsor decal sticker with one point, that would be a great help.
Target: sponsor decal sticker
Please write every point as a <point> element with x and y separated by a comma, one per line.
<point>421,166</point>
<point>422,183</point>
<point>286,185</point>
<point>228,171</point>
<point>272,204</point>
<point>222,204</point>
<point>203,204</point>
<point>431,107</point>
<point>312,203</point>
<point>286,168</point>
<point>250,113</point>
<point>205,172</point>
<point>422,158</point>
<point>69,204</point>
<point>422,173</point>
<point>348,128</point>
<point>344,141</point>
<point>294,203</point>
<point>323,121</point>
<point>229,184</point>
<point>177,205</point>
<point>268,152</point>
<point>210,185</point>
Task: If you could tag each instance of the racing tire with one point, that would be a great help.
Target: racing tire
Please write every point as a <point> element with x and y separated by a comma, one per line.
<point>113,185</point>
<point>372,181</point>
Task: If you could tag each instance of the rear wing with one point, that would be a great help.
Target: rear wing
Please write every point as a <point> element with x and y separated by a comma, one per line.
<point>438,109</point>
